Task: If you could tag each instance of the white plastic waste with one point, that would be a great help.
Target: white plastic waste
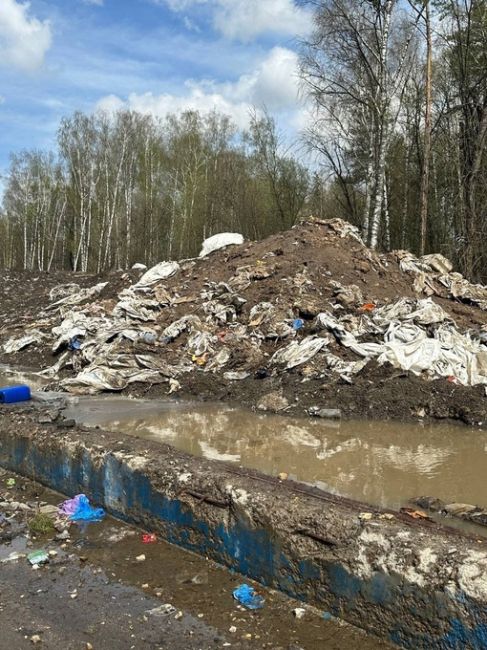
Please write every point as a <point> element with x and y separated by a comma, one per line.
<point>297,353</point>
<point>161,271</point>
<point>220,241</point>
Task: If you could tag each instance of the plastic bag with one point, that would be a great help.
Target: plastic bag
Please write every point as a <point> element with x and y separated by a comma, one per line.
<point>247,597</point>
<point>79,509</point>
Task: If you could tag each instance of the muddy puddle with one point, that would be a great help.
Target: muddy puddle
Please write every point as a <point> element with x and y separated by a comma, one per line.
<point>183,581</point>
<point>381,463</point>
<point>15,376</point>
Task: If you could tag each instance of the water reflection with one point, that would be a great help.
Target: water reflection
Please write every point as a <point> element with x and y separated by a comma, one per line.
<point>11,377</point>
<point>381,463</point>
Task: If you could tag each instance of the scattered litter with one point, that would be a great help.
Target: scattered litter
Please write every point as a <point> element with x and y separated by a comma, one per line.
<point>368,307</point>
<point>163,610</point>
<point>74,344</point>
<point>149,538</point>
<point>79,509</point>
<point>140,558</point>
<point>13,557</point>
<point>365,516</point>
<point>414,514</point>
<point>10,482</point>
<point>299,612</point>
<point>38,557</point>
<point>327,616</point>
<point>298,324</point>
<point>466,511</point>
<point>325,414</point>
<point>248,597</point>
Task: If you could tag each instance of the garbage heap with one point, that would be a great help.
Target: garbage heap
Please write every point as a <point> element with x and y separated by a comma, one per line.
<point>247,310</point>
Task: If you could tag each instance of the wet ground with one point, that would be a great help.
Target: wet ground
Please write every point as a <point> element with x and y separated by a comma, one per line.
<point>95,593</point>
<point>381,463</point>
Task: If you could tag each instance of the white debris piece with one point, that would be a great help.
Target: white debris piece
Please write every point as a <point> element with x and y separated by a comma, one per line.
<point>80,296</point>
<point>423,312</point>
<point>447,354</point>
<point>15,345</point>
<point>297,353</point>
<point>96,380</point>
<point>161,271</point>
<point>180,326</point>
<point>139,267</point>
<point>220,241</point>
<point>63,290</point>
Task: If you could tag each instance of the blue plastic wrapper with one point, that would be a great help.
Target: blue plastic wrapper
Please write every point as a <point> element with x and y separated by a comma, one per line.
<point>74,344</point>
<point>298,324</point>
<point>247,597</point>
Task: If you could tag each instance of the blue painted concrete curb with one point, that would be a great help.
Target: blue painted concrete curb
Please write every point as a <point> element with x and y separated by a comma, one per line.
<point>383,603</point>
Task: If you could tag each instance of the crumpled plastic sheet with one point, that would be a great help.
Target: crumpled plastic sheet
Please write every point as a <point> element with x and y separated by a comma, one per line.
<point>343,228</point>
<point>219,312</point>
<point>178,327</point>
<point>200,342</point>
<point>447,354</point>
<point>79,509</point>
<point>444,352</point>
<point>219,241</point>
<point>297,353</point>
<point>437,268</point>
<point>16,344</point>
<point>80,296</point>
<point>63,290</point>
<point>159,272</point>
<point>424,312</point>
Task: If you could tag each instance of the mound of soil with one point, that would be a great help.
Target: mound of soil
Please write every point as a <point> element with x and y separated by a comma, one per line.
<point>311,268</point>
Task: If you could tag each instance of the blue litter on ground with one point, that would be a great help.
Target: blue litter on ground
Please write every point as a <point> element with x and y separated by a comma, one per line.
<point>13,394</point>
<point>79,509</point>
<point>247,597</point>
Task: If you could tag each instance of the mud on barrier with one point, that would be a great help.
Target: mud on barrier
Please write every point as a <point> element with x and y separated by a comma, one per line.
<point>415,584</point>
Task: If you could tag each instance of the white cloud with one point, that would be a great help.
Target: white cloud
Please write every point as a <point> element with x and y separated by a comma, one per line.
<point>274,85</point>
<point>98,3</point>
<point>243,20</point>
<point>24,40</point>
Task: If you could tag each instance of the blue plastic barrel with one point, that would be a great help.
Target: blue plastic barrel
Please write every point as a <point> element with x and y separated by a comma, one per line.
<point>12,394</point>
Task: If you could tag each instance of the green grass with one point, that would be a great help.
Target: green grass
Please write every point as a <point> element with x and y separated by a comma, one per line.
<point>41,524</point>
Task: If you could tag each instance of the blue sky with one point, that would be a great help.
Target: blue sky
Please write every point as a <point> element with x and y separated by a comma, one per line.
<point>159,56</point>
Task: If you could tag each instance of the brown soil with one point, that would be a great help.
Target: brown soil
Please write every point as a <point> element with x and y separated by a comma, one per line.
<point>293,270</point>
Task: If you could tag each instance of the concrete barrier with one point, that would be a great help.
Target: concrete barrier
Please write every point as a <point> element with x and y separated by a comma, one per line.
<point>416,584</point>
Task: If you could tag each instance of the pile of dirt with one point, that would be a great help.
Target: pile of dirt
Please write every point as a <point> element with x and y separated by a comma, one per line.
<point>211,328</point>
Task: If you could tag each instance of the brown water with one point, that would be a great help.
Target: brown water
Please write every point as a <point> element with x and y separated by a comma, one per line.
<point>12,377</point>
<point>381,463</point>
